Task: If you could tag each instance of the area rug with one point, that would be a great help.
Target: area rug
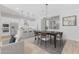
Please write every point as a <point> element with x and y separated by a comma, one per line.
<point>49,48</point>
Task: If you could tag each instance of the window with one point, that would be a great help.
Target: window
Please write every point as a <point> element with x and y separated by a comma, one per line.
<point>5,27</point>
<point>54,22</point>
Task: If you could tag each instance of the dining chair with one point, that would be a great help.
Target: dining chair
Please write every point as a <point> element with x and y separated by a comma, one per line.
<point>37,36</point>
<point>45,38</point>
<point>59,37</point>
<point>53,38</point>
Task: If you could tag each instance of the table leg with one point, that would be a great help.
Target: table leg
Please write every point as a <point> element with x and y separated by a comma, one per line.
<point>50,39</point>
<point>55,41</point>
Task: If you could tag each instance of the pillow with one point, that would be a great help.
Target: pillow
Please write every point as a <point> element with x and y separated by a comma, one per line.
<point>12,40</point>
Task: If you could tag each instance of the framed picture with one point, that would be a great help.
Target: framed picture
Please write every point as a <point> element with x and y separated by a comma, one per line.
<point>69,21</point>
<point>5,27</point>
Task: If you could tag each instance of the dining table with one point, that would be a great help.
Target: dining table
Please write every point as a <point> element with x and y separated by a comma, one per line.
<point>51,33</point>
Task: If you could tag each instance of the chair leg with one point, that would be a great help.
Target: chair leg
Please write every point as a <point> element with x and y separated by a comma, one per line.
<point>61,42</point>
<point>55,41</point>
<point>35,37</point>
<point>50,39</point>
<point>45,44</point>
<point>40,41</point>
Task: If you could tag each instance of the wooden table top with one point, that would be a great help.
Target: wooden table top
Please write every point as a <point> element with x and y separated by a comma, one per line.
<point>49,32</point>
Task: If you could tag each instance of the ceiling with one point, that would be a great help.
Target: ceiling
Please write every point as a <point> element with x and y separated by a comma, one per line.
<point>39,9</point>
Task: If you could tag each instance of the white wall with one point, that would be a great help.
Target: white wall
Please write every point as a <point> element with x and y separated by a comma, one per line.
<point>70,32</point>
<point>7,20</point>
